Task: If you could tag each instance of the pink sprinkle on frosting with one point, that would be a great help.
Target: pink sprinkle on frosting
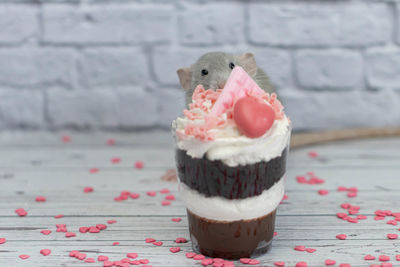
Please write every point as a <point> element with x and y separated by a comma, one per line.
<point>201,100</point>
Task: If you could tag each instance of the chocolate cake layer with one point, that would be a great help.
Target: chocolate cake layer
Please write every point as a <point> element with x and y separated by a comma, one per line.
<point>231,240</point>
<point>214,178</point>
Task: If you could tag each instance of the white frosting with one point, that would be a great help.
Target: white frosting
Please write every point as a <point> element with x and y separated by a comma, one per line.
<point>233,148</point>
<point>222,209</point>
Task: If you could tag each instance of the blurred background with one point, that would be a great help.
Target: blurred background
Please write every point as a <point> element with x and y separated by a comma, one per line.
<point>111,65</point>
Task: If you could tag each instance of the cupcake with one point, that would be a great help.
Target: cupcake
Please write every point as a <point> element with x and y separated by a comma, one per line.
<point>231,149</point>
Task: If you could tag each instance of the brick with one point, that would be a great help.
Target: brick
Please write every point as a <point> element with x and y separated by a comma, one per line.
<point>383,68</point>
<point>172,103</point>
<point>316,110</point>
<point>276,63</point>
<point>114,67</point>
<point>34,67</point>
<point>21,108</point>
<point>166,60</point>
<point>320,24</point>
<point>126,108</point>
<point>323,69</point>
<point>106,24</point>
<point>18,23</point>
<point>211,24</point>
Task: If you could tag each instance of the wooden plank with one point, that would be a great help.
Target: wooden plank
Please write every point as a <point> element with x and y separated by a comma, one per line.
<point>305,218</point>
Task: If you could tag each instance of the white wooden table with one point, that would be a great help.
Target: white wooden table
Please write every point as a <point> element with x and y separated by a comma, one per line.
<point>40,164</point>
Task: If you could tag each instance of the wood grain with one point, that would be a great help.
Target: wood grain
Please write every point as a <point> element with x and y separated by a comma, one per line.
<point>40,164</point>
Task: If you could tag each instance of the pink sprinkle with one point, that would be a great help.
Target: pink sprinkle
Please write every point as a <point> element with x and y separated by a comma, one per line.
<point>176,219</point>
<point>279,263</point>
<point>151,193</point>
<point>345,206</point>
<point>23,256</point>
<point>94,170</point>
<point>80,256</point>
<point>312,154</point>
<point>139,164</point>
<point>21,212</point>
<point>108,263</point>
<point>323,192</point>
<point>369,257</point>
<point>132,255</point>
<point>94,230</point>
<point>398,257</point>
<point>144,261</point>
<point>352,220</point>
<point>392,236</point>
<point>379,218</point>
<point>69,234</point>
<point>134,195</point>
<point>157,243</point>
<point>392,222</point>
<point>275,233</point>
<point>170,197</point>
<point>254,262</point>
<point>101,226</point>
<point>352,194</point>
<point>244,260</point>
<point>110,141</point>
<point>165,203</point>
<point>386,264</point>
<point>375,265</point>
<point>2,240</point>
<point>150,240</point>
<point>345,265</point>
<point>198,257</point>
<point>90,260</point>
<point>102,258</point>
<point>329,262</point>
<point>341,236</point>
<point>175,249</point>
<point>88,189</point>
<point>190,255</point>
<point>361,217</point>
<point>66,138</point>
<point>115,160</point>
<point>45,252</point>
<point>301,264</point>
<point>311,250</point>
<point>59,216</point>
<point>180,240</point>
<point>206,262</point>
<point>342,188</point>
<point>111,221</point>
<point>300,248</point>
<point>40,199</point>
<point>218,264</point>
<point>164,191</point>
<point>46,232</point>
<point>83,229</point>
<point>115,243</point>
<point>384,258</point>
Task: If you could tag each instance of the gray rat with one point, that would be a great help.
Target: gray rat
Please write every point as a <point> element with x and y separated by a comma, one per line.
<point>212,70</point>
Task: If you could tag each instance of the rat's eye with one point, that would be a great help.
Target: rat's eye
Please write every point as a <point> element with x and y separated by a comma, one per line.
<point>204,72</point>
<point>231,65</point>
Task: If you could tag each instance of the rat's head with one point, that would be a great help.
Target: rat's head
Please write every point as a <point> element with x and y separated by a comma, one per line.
<point>212,70</point>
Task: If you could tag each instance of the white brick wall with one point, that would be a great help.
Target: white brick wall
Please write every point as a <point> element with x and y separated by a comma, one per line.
<point>112,65</point>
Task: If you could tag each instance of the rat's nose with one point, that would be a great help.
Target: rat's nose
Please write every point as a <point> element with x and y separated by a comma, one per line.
<point>221,85</point>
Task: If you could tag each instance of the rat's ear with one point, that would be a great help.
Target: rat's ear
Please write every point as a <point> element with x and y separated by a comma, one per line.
<point>248,63</point>
<point>185,77</point>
